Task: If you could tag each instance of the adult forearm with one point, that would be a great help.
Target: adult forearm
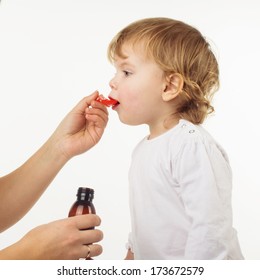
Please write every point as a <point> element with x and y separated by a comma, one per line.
<point>20,189</point>
<point>79,131</point>
<point>15,252</point>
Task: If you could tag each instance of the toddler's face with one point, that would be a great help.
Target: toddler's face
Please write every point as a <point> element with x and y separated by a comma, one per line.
<point>137,85</point>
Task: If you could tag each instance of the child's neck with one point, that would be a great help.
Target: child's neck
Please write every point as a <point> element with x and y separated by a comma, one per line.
<point>159,129</point>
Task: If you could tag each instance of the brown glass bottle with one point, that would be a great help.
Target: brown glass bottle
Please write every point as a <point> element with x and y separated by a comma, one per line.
<point>83,204</point>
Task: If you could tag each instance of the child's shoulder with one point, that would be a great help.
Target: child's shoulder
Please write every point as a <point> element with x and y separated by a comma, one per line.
<point>193,138</point>
<point>189,135</point>
<point>189,132</point>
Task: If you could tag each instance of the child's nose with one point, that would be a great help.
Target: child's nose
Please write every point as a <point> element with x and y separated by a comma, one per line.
<point>112,83</point>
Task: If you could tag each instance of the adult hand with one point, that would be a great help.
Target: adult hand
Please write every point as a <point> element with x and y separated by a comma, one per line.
<point>62,239</point>
<point>82,128</point>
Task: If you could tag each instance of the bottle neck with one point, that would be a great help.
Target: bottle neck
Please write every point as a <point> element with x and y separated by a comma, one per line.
<point>85,194</point>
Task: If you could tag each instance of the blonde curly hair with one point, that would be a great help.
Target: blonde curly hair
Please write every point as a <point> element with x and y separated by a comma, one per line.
<point>177,48</point>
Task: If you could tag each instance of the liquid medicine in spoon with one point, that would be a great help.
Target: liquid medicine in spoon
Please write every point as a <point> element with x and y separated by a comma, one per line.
<point>107,102</point>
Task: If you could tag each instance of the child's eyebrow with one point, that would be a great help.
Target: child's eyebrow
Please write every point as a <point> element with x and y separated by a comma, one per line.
<point>125,64</point>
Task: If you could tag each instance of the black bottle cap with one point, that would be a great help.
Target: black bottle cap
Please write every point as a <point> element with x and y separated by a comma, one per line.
<point>85,193</point>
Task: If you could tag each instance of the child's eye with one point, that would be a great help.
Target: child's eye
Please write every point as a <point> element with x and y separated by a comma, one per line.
<point>126,73</point>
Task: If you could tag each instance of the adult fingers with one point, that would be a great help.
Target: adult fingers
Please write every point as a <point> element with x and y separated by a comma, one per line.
<point>91,250</point>
<point>86,101</point>
<point>90,236</point>
<point>86,221</point>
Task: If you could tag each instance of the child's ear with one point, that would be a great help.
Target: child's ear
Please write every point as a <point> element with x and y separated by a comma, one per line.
<point>173,86</point>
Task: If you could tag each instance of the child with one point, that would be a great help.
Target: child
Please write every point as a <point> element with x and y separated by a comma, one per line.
<point>180,178</point>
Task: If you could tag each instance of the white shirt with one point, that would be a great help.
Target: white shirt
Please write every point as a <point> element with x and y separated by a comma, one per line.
<point>180,197</point>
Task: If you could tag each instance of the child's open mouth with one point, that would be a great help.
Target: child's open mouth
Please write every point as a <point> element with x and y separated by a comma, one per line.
<point>108,102</point>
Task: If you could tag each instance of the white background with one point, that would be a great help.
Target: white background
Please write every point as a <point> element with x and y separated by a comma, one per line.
<point>53,52</point>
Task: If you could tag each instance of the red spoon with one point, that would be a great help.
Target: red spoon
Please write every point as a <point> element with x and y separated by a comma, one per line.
<point>107,102</point>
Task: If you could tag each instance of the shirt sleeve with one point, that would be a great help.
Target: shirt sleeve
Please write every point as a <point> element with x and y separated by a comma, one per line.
<point>129,244</point>
<point>204,178</point>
